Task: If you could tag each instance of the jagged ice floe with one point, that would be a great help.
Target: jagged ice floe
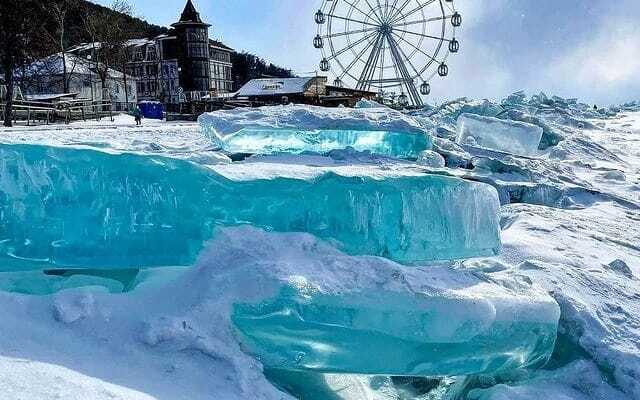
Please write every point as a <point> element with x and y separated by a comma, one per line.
<point>298,129</point>
<point>84,208</point>
<point>507,136</point>
<point>319,311</point>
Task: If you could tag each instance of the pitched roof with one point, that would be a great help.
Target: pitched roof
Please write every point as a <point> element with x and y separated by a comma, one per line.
<point>274,87</point>
<point>190,14</point>
<point>52,65</point>
<point>219,44</point>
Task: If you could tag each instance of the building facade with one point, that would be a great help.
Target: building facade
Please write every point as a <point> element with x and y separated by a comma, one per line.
<point>221,67</point>
<point>45,77</point>
<point>192,45</point>
<point>154,63</point>
<point>309,90</point>
<point>183,65</point>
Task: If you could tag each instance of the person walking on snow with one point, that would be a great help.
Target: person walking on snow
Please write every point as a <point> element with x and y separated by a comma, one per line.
<point>137,114</point>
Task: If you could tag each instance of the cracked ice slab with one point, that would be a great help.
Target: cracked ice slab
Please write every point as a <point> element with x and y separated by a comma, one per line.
<point>297,129</point>
<point>76,208</point>
<point>513,137</point>
<point>319,310</point>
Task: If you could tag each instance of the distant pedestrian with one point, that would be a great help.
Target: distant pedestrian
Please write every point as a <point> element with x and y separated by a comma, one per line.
<point>137,114</point>
<point>595,107</point>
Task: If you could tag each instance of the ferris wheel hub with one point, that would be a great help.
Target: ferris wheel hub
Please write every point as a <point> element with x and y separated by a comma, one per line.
<point>386,28</point>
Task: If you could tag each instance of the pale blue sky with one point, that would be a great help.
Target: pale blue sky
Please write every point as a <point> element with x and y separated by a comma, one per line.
<point>574,48</point>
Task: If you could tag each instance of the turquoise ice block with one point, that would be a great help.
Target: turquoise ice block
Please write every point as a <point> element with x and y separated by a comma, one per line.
<point>398,334</point>
<point>62,207</point>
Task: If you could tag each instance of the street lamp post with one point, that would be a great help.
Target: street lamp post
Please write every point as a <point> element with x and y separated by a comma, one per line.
<point>91,79</point>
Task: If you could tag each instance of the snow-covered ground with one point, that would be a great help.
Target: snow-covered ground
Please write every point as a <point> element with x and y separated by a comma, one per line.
<point>570,230</point>
<point>182,140</point>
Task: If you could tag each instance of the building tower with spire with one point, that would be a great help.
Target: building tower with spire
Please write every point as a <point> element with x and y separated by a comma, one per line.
<point>192,51</point>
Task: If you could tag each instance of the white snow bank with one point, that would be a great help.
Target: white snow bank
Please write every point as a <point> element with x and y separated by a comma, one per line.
<point>580,380</point>
<point>29,380</point>
<point>169,139</point>
<point>592,270</point>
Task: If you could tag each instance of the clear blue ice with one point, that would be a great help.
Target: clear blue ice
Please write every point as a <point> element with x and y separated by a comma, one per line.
<point>507,136</point>
<point>274,141</point>
<point>296,129</point>
<point>82,208</point>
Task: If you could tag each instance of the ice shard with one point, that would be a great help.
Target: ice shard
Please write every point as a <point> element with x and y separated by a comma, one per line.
<point>298,129</point>
<point>317,310</point>
<point>88,209</point>
<point>512,137</point>
<point>379,332</point>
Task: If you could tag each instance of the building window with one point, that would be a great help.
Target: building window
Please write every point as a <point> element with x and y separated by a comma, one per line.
<point>197,50</point>
<point>151,53</point>
<point>196,35</point>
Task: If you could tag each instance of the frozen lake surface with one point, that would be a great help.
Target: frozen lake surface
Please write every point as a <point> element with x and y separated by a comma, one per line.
<point>561,279</point>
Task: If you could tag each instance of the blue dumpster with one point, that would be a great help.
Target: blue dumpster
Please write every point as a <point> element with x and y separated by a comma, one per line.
<point>151,109</point>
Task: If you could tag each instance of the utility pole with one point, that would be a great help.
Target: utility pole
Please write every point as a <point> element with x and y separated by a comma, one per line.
<point>317,90</point>
<point>91,78</point>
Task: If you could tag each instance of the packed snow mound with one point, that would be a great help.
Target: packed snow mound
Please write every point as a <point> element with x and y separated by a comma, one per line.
<point>507,136</point>
<point>592,271</point>
<point>179,346</point>
<point>130,211</point>
<point>298,129</point>
<point>579,380</point>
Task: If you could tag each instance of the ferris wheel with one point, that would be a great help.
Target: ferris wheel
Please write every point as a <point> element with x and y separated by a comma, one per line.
<point>392,47</point>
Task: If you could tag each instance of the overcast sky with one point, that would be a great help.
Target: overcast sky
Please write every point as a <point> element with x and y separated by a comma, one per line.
<point>574,48</point>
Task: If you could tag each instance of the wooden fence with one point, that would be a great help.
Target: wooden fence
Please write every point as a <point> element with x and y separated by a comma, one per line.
<point>40,112</point>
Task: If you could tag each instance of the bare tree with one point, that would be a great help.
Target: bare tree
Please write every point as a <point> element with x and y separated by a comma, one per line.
<point>21,23</point>
<point>60,10</point>
<point>110,31</point>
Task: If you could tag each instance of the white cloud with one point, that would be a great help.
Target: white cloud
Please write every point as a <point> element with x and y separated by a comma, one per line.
<point>474,12</point>
<point>478,70</point>
<point>475,72</point>
<point>606,62</point>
